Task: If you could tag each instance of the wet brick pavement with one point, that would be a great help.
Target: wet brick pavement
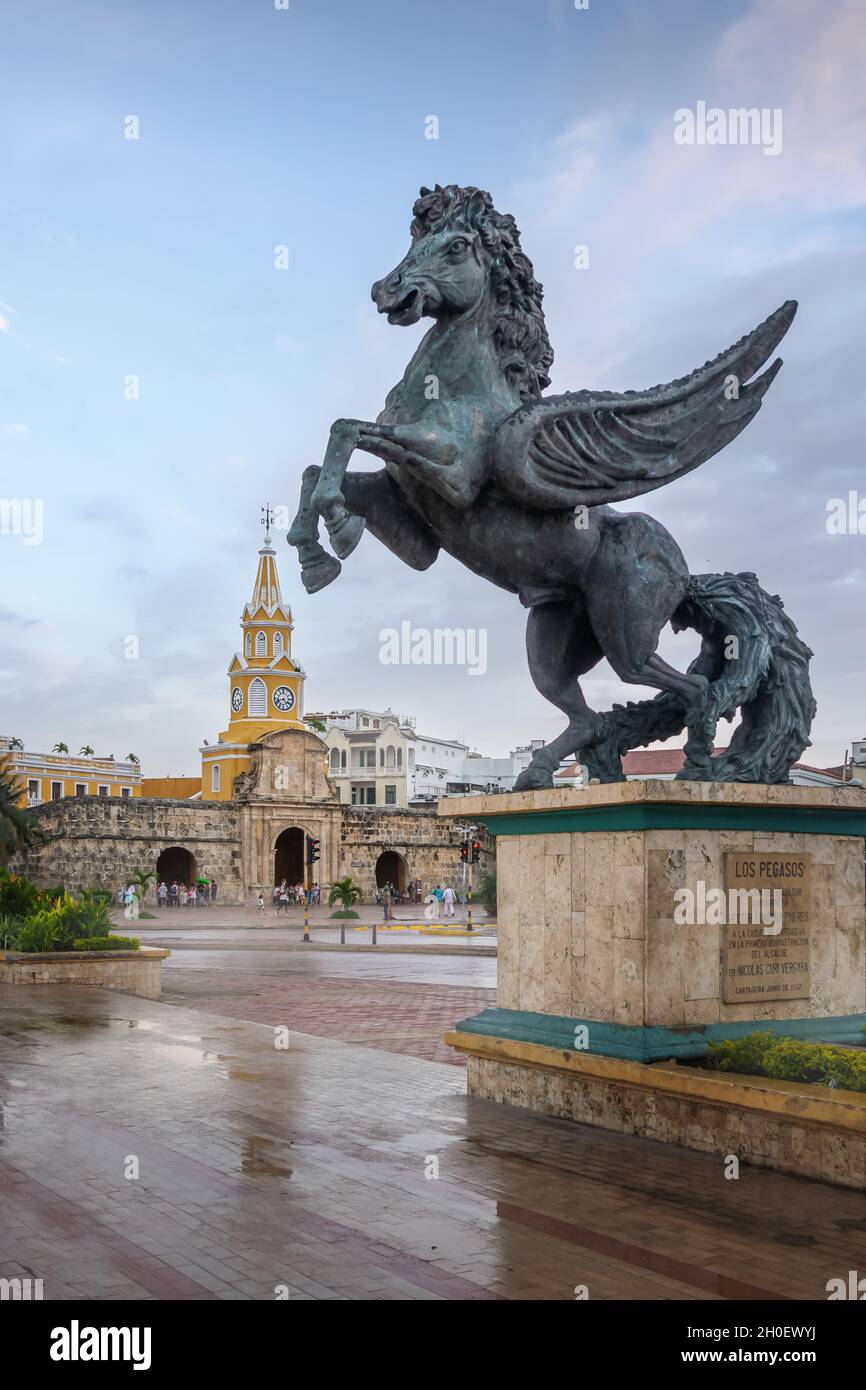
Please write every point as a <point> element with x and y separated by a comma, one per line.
<point>261,1168</point>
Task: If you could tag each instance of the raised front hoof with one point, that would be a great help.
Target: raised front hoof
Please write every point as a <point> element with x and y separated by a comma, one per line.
<point>320,573</point>
<point>345,534</point>
<point>533,779</point>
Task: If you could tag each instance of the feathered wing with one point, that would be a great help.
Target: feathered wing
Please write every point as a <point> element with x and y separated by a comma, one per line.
<point>592,447</point>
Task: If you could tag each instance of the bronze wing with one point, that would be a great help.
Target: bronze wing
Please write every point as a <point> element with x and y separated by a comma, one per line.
<point>591,447</point>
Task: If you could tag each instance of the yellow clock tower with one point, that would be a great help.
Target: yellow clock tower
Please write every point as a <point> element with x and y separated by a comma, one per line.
<point>266,687</point>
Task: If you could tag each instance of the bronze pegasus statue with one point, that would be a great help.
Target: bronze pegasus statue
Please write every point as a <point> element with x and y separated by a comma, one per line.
<point>519,487</point>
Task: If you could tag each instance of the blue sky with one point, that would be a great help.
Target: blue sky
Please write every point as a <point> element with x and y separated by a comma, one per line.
<point>306,127</point>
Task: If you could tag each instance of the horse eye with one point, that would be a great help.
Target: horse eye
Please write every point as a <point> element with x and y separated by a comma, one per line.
<point>457,247</point>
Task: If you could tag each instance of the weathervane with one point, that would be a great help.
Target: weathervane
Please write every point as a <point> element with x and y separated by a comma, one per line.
<point>267,519</point>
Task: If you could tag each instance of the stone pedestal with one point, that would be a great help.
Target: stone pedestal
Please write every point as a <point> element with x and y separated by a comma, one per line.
<point>597,957</point>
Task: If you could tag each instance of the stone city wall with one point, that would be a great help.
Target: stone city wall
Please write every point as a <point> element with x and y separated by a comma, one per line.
<point>428,844</point>
<point>99,842</point>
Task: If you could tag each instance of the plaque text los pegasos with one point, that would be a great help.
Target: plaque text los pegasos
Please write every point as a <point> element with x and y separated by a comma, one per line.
<point>761,963</point>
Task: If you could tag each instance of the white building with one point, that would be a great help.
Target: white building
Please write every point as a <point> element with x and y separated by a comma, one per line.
<point>378,758</point>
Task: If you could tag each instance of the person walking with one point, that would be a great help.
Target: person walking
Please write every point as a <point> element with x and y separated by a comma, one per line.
<point>283,898</point>
<point>261,902</point>
<point>182,894</point>
<point>386,901</point>
<point>448,901</point>
<point>213,891</point>
<point>191,895</point>
<point>162,894</point>
<point>172,893</point>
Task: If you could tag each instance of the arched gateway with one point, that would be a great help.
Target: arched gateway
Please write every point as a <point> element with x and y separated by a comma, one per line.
<point>392,868</point>
<point>289,856</point>
<point>176,863</point>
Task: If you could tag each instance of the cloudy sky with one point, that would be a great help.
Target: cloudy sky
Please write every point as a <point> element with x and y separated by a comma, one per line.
<point>306,127</point>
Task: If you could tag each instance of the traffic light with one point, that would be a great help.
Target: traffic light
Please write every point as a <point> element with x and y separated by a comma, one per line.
<point>464,851</point>
<point>312,849</point>
<point>476,851</point>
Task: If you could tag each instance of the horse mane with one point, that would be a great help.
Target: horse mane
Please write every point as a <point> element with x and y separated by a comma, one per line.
<point>519,333</point>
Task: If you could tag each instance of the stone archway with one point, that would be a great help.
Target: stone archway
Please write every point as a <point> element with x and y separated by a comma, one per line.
<point>392,868</point>
<point>289,855</point>
<point>176,863</point>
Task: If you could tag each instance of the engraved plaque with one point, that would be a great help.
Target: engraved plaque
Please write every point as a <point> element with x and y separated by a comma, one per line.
<point>767,950</point>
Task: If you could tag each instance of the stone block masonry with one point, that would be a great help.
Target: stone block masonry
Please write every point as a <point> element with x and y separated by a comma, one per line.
<point>99,842</point>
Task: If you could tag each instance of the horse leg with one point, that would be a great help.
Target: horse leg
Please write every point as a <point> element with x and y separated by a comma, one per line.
<point>328,500</point>
<point>560,647</point>
<point>637,580</point>
<point>318,568</point>
<point>376,498</point>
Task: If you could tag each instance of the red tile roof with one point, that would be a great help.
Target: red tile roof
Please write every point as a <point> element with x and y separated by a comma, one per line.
<point>655,762</point>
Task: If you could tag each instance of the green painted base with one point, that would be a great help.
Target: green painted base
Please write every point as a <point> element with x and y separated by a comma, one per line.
<point>652,1044</point>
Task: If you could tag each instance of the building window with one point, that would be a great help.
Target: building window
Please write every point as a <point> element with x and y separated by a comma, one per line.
<point>399,757</point>
<point>335,759</point>
<point>257,702</point>
<point>381,757</point>
<point>126,791</point>
<point>56,791</point>
<point>33,789</point>
<point>80,788</point>
<point>104,791</point>
<point>261,644</point>
<point>278,644</point>
<point>390,796</point>
<point>411,757</point>
<point>247,644</point>
<point>215,778</point>
<point>343,759</point>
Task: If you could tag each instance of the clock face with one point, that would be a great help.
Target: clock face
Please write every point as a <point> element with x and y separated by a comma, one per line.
<point>237,699</point>
<point>284,698</point>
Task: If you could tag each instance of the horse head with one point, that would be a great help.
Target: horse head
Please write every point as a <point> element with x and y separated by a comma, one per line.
<point>466,257</point>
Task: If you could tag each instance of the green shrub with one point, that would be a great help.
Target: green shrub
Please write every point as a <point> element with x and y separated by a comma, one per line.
<point>344,912</point>
<point>10,928</point>
<point>38,933</point>
<point>790,1059</point>
<point>18,896</point>
<point>485,893</point>
<point>106,943</point>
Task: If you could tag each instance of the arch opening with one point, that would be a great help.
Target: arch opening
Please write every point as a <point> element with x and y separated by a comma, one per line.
<point>289,856</point>
<point>176,864</point>
<point>392,868</point>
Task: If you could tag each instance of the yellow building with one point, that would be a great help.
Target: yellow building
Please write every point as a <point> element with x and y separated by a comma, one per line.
<point>266,686</point>
<point>51,776</point>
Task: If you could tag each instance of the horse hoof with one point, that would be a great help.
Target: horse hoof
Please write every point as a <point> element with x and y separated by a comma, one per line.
<point>320,573</point>
<point>345,534</point>
<point>533,778</point>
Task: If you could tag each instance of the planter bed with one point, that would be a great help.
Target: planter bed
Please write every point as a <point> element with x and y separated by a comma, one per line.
<point>133,972</point>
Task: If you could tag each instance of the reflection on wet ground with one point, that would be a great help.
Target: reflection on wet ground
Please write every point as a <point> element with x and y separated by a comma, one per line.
<point>342,1171</point>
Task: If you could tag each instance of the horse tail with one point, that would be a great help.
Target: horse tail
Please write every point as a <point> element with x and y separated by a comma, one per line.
<point>755,661</point>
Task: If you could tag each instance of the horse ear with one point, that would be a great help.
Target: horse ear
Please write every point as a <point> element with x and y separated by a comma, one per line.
<point>475,207</point>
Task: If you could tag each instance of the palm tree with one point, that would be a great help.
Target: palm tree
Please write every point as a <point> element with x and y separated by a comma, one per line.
<point>60,748</point>
<point>316,724</point>
<point>345,892</point>
<point>86,751</point>
<point>16,825</point>
<point>132,758</point>
<point>16,743</point>
<point>141,879</point>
